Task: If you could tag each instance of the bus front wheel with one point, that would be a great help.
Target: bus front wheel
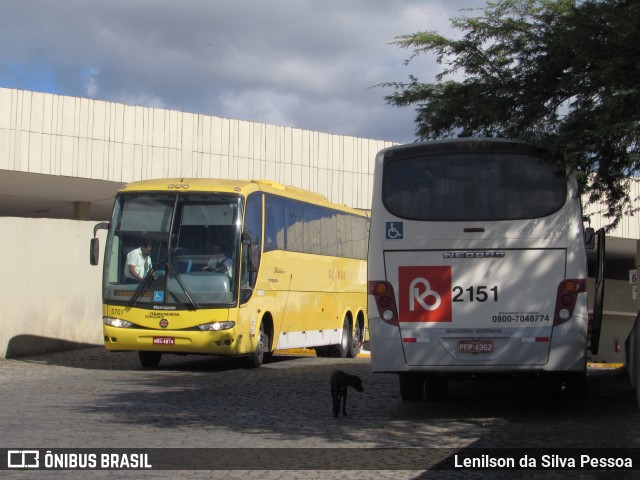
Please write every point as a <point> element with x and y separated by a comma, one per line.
<point>149,359</point>
<point>255,359</point>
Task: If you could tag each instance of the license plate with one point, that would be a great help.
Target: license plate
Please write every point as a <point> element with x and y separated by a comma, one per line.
<point>476,346</point>
<point>164,341</point>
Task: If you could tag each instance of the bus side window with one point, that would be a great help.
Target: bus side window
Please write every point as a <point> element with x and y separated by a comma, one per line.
<point>274,229</point>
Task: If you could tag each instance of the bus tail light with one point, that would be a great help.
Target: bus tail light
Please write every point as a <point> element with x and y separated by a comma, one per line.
<point>566,298</point>
<point>385,301</point>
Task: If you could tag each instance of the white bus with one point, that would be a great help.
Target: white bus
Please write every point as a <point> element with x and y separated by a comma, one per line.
<point>477,265</point>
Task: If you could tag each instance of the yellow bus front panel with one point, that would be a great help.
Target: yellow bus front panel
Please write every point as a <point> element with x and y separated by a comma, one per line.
<point>132,329</point>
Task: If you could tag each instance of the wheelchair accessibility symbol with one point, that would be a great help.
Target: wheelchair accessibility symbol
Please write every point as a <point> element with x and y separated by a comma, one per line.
<point>394,230</point>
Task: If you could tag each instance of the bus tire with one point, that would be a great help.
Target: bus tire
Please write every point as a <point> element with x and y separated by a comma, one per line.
<point>255,359</point>
<point>342,349</point>
<point>551,385</point>
<point>436,387</point>
<point>356,342</point>
<point>411,386</point>
<point>149,359</point>
<point>575,386</point>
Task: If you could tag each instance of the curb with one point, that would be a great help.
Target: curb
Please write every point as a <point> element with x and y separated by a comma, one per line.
<point>309,352</point>
<point>604,365</point>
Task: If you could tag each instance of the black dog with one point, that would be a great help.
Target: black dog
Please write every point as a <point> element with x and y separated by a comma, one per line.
<point>340,381</point>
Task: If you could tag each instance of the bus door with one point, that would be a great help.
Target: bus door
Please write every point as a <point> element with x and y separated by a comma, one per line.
<point>476,307</point>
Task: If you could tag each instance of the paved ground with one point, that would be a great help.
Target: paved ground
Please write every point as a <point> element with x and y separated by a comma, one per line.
<point>90,398</point>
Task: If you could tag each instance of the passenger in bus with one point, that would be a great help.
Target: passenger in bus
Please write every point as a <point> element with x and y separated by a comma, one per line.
<point>220,262</point>
<point>138,262</point>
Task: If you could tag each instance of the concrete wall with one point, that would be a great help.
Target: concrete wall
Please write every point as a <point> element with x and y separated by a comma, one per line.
<point>51,295</point>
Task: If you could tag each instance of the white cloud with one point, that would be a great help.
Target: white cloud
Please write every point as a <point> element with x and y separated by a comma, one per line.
<point>303,63</point>
<point>269,106</point>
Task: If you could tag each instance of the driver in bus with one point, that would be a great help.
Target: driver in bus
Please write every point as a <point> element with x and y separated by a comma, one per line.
<point>138,262</point>
<point>220,262</point>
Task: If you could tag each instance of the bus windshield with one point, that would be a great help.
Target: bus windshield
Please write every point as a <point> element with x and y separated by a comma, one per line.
<point>173,249</point>
<point>468,187</point>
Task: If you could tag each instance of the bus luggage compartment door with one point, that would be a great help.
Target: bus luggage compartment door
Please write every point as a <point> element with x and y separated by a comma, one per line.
<point>489,307</point>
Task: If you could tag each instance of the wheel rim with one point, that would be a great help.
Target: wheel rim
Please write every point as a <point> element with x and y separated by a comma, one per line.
<point>357,338</point>
<point>260,346</point>
<point>345,336</point>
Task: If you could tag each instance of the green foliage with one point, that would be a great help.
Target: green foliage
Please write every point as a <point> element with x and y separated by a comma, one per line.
<point>563,75</point>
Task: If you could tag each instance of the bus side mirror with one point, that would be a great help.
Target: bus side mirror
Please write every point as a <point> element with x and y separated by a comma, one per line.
<point>94,248</point>
<point>254,251</point>
<point>590,238</point>
<point>94,251</point>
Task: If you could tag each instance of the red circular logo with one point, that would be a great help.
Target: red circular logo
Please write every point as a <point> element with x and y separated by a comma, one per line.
<point>164,323</point>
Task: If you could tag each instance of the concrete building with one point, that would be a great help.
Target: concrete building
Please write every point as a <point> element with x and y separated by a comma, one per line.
<point>63,158</point>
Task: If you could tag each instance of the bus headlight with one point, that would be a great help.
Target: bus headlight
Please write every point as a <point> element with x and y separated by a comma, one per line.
<point>116,322</point>
<point>216,326</point>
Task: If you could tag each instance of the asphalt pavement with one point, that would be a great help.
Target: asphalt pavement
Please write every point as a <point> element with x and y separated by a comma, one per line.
<point>91,398</point>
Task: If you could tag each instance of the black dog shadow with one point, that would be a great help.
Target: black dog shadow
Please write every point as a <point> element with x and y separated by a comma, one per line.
<point>340,382</point>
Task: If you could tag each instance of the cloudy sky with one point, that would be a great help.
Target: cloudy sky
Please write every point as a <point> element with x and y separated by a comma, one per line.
<point>309,64</point>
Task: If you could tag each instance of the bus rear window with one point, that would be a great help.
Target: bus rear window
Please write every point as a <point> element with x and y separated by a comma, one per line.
<point>471,186</point>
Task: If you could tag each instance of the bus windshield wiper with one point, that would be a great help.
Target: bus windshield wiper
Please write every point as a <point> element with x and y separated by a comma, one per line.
<point>176,275</point>
<point>144,284</point>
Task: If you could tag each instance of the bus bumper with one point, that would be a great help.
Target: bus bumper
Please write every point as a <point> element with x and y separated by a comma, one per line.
<point>226,342</point>
<point>567,352</point>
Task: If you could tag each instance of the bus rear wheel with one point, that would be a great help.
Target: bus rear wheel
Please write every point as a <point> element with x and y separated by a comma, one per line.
<point>436,387</point>
<point>576,386</point>
<point>411,386</point>
<point>323,351</point>
<point>357,340</point>
<point>342,349</point>
<point>149,359</point>
<point>567,386</point>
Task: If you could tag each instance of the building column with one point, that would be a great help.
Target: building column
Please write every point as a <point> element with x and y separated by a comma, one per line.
<point>81,210</point>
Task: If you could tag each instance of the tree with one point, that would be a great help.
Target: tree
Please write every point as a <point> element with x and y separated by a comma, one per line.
<point>563,75</point>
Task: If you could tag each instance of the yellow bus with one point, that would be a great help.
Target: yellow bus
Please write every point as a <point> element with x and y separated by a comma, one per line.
<point>236,268</point>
